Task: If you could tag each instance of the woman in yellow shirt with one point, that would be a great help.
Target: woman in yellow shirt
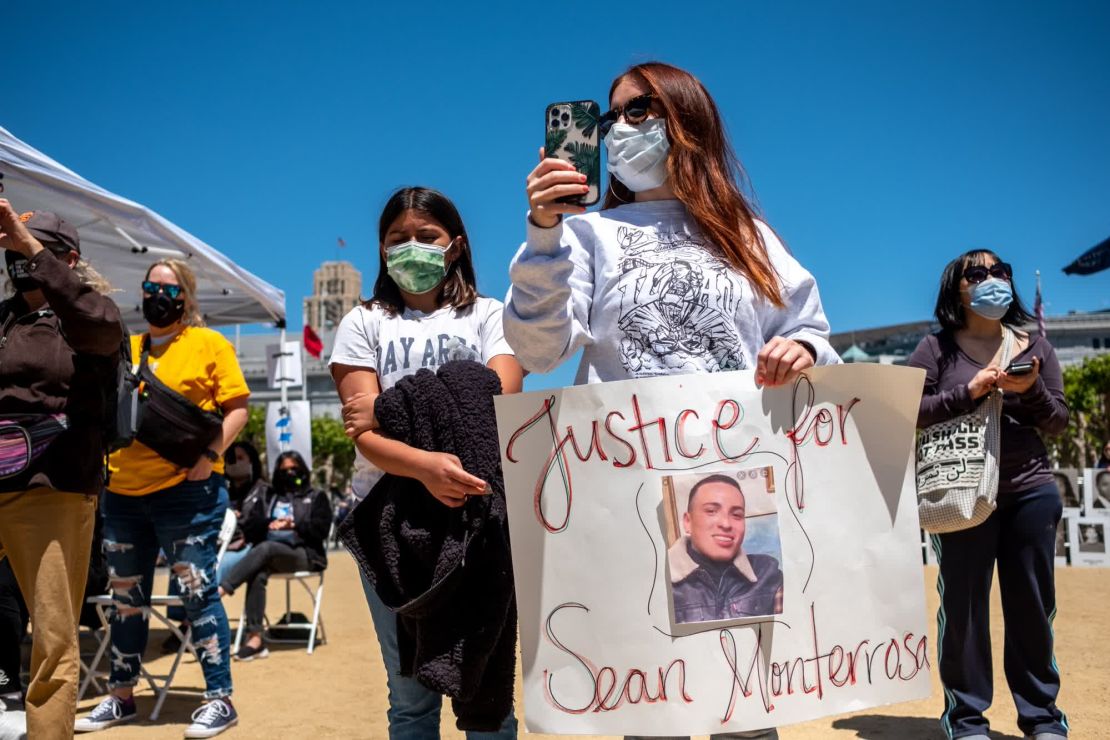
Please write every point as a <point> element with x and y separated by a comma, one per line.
<point>152,503</point>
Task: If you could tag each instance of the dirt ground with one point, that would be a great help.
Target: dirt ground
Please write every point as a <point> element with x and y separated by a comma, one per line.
<point>339,691</point>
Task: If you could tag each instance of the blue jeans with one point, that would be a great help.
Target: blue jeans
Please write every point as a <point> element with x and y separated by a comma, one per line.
<point>413,709</point>
<point>184,521</point>
<point>231,557</point>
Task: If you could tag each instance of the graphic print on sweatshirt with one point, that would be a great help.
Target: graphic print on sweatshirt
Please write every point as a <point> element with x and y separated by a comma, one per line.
<point>678,306</point>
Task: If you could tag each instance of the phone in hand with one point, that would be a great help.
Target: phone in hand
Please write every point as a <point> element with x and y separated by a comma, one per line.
<point>571,134</point>
<point>1020,368</point>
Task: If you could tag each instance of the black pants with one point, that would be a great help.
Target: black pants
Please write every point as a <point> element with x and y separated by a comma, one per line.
<point>254,570</point>
<point>1020,536</point>
<point>13,626</point>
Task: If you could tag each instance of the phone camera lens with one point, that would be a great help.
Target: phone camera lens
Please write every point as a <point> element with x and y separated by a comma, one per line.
<point>566,117</point>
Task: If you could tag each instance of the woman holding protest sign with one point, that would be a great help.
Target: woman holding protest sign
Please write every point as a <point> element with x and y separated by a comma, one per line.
<point>980,315</point>
<point>675,274</point>
<point>425,312</point>
<point>167,491</point>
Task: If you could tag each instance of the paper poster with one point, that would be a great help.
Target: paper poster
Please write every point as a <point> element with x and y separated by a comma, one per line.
<point>1067,483</point>
<point>1096,492</point>
<point>288,430</point>
<point>284,364</point>
<point>695,555</point>
<point>1087,538</point>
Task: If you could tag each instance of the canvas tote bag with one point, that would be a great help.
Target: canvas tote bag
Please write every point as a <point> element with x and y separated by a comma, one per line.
<point>957,463</point>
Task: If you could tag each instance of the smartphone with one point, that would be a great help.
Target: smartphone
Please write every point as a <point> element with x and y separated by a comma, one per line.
<point>571,134</point>
<point>1019,368</point>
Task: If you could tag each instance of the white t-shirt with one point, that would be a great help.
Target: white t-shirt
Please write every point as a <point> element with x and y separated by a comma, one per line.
<point>396,346</point>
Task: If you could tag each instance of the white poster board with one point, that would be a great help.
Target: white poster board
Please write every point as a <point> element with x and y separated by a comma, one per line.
<point>289,431</point>
<point>1096,492</point>
<point>1087,539</point>
<point>284,364</point>
<point>584,476</point>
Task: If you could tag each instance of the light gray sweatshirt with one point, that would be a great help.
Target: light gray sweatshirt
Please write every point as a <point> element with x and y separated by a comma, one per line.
<point>646,294</point>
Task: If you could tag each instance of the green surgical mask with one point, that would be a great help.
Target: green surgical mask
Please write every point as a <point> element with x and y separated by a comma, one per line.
<point>416,268</point>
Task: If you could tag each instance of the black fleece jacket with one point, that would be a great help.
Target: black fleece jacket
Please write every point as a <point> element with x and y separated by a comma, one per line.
<point>311,519</point>
<point>446,572</point>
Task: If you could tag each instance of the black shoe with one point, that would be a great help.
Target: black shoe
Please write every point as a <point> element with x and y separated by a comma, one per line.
<point>108,713</point>
<point>171,644</point>
<point>250,653</point>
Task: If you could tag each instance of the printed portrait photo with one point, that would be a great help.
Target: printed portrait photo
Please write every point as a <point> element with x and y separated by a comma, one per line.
<point>724,558</point>
<point>1067,483</point>
<point>1092,537</point>
<point>1097,485</point>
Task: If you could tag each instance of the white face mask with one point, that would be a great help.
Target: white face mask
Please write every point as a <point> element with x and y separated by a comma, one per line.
<point>637,153</point>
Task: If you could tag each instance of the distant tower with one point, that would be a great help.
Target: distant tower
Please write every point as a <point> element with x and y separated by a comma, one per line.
<point>337,287</point>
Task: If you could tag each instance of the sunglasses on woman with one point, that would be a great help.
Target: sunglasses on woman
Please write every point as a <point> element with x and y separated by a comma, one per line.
<point>634,111</point>
<point>975,274</point>
<point>152,288</point>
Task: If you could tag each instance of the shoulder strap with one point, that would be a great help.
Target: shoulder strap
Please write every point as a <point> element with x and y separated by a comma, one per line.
<point>1007,346</point>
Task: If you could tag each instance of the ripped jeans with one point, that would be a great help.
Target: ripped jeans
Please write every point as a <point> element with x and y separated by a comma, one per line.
<point>184,521</point>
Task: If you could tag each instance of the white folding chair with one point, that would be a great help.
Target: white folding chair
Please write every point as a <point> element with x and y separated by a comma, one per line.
<point>160,685</point>
<point>315,628</point>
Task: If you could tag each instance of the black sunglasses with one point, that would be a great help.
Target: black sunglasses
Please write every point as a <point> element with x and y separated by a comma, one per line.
<point>152,288</point>
<point>634,111</point>
<point>978,273</point>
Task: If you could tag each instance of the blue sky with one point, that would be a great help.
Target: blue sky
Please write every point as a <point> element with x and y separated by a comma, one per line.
<point>881,138</point>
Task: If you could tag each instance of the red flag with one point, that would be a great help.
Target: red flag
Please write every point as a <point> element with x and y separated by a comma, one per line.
<point>312,343</point>
<point>340,242</point>
<point>1038,310</point>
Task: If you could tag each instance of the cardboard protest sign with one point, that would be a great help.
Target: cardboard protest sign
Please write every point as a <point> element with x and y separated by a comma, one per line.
<point>696,555</point>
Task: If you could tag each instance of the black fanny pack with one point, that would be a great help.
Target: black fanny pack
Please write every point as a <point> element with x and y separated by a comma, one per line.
<point>24,438</point>
<point>169,423</point>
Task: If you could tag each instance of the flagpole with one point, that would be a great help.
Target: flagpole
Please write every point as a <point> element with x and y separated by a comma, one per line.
<point>304,374</point>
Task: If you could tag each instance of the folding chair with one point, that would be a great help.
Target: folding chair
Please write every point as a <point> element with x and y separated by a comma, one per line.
<point>314,628</point>
<point>160,685</point>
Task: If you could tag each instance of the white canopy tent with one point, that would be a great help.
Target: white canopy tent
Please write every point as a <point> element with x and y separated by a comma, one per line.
<point>120,238</point>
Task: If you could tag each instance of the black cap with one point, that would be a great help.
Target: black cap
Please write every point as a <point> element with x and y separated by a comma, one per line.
<point>50,227</point>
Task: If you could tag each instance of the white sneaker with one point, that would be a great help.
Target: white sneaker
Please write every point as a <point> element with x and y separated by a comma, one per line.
<point>13,719</point>
<point>212,719</point>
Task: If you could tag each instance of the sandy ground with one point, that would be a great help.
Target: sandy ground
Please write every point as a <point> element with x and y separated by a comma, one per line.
<point>339,691</point>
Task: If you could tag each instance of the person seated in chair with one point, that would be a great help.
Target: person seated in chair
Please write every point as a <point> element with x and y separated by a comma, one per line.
<point>287,524</point>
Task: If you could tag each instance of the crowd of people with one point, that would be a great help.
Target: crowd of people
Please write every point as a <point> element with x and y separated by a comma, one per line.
<point>617,284</point>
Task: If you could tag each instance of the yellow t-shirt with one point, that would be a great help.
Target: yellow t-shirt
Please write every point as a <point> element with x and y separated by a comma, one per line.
<point>198,363</point>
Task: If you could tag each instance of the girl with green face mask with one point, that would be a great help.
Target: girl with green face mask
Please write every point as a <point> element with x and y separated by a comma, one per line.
<point>425,312</point>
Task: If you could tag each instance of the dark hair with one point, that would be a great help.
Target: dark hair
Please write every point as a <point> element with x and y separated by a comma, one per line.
<point>712,479</point>
<point>704,172</point>
<point>950,308</point>
<point>460,287</point>
<point>302,466</point>
<point>252,455</point>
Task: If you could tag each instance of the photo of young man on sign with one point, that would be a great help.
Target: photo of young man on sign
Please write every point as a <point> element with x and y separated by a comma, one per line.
<point>723,556</point>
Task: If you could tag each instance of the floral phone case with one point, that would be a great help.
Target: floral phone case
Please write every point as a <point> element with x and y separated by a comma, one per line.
<point>572,135</point>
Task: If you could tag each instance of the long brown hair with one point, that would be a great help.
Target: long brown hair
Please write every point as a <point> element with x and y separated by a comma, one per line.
<point>704,173</point>
<point>460,287</point>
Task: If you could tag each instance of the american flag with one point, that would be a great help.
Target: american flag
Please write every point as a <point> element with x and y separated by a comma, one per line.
<point>1038,308</point>
<point>340,242</point>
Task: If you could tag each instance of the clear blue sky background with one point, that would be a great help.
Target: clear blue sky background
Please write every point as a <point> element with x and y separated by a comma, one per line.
<point>881,138</point>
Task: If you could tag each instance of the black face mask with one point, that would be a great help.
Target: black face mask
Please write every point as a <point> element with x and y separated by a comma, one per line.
<point>161,311</point>
<point>288,480</point>
<point>18,273</point>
